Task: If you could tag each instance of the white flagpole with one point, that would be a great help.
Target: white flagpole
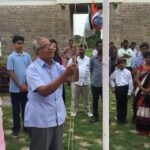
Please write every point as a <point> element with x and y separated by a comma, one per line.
<point>105,75</point>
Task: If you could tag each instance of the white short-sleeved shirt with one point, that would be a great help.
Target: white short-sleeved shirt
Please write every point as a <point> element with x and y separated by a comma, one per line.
<point>129,52</point>
<point>84,70</point>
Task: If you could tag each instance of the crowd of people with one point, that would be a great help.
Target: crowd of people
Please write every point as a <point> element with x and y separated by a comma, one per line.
<point>131,76</point>
<point>37,88</point>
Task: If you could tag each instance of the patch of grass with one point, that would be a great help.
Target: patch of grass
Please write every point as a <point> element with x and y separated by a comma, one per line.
<point>13,143</point>
<point>87,136</point>
<point>89,52</point>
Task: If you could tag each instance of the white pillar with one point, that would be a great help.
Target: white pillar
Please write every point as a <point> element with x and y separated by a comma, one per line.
<point>105,75</point>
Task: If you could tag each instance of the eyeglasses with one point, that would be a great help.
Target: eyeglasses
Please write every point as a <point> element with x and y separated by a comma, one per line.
<point>19,43</point>
<point>45,46</point>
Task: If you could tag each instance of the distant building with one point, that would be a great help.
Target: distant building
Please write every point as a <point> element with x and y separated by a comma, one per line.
<point>129,19</point>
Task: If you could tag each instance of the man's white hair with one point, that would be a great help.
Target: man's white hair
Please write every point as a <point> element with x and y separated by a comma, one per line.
<point>35,43</point>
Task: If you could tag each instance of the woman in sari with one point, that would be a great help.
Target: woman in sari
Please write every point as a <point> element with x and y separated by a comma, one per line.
<point>142,97</point>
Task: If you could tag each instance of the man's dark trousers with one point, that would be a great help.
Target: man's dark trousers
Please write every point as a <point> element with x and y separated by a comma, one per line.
<point>18,101</point>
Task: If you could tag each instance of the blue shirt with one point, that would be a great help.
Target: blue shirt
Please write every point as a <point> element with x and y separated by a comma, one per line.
<point>40,111</point>
<point>138,60</point>
<point>18,64</point>
<point>96,71</point>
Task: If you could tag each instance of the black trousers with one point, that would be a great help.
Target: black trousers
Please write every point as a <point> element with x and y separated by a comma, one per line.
<point>96,92</point>
<point>18,101</point>
<point>121,93</point>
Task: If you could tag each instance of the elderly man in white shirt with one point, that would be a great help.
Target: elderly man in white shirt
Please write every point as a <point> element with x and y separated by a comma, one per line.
<point>82,85</point>
<point>45,110</point>
<point>121,79</point>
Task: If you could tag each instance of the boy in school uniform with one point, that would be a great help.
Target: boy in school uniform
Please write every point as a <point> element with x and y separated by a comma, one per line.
<point>17,63</point>
<point>121,79</point>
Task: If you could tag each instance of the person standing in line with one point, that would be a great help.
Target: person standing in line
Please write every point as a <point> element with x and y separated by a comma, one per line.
<point>139,59</point>
<point>58,59</point>
<point>70,50</point>
<point>113,56</point>
<point>97,47</point>
<point>45,110</point>
<point>136,63</point>
<point>17,63</point>
<point>126,52</point>
<point>133,48</point>
<point>96,82</point>
<point>121,80</point>
<point>81,87</point>
<point>64,58</point>
<point>142,97</point>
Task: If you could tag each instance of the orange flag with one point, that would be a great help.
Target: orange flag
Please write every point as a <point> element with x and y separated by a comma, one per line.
<point>95,17</point>
<point>93,8</point>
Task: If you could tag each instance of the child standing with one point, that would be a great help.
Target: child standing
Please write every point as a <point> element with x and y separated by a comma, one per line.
<point>121,79</point>
<point>17,63</point>
<point>2,142</point>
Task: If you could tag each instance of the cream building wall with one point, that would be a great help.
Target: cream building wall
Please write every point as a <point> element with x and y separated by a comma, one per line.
<point>32,18</point>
